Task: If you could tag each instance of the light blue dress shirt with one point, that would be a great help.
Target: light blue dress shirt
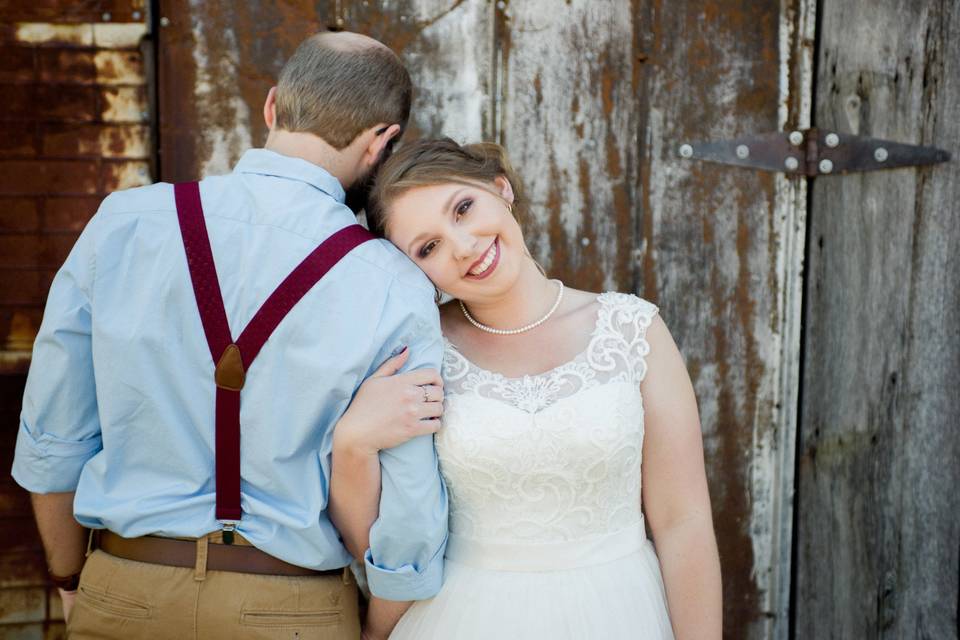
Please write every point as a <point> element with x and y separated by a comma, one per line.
<point>119,403</point>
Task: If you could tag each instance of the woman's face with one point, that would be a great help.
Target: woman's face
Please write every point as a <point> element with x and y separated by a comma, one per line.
<point>464,237</point>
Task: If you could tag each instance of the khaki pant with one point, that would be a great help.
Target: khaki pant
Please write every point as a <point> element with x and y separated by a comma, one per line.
<point>120,598</point>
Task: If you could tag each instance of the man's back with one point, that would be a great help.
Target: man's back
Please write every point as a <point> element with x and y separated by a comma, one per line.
<point>141,439</point>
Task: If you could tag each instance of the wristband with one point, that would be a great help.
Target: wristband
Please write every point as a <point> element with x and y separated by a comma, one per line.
<point>67,583</point>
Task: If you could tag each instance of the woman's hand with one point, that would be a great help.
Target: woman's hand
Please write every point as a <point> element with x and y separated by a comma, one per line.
<point>391,408</point>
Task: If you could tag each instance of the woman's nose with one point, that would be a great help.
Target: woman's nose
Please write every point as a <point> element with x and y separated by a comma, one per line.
<point>464,244</point>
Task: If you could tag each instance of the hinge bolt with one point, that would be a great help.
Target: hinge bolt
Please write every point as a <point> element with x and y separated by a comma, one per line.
<point>832,140</point>
<point>880,154</point>
<point>796,138</point>
<point>686,151</point>
<point>826,166</point>
<point>791,163</point>
<point>743,151</point>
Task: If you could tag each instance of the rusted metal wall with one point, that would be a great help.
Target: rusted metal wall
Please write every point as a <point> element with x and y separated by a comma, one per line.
<point>878,531</point>
<point>73,127</point>
<point>593,99</point>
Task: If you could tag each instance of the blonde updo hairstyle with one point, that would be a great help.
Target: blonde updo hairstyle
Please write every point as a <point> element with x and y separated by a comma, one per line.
<point>437,161</point>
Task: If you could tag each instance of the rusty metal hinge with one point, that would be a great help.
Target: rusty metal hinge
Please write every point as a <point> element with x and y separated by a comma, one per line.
<point>812,152</point>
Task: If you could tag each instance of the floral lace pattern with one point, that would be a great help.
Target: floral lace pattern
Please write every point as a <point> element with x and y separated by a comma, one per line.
<point>554,456</point>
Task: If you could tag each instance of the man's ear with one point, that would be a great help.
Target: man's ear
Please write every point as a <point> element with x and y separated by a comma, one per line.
<point>383,135</point>
<point>270,108</point>
<point>505,188</point>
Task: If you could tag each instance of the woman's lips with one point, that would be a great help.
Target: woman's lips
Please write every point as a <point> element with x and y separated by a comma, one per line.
<point>487,263</point>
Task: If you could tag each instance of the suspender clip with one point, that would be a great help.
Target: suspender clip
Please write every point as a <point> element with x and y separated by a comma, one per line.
<point>228,529</point>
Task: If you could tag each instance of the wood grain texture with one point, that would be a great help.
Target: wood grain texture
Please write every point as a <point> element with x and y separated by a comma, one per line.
<point>219,59</point>
<point>569,119</point>
<point>447,45</point>
<point>878,530</point>
<point>216,62</point>
<point>720,252</point>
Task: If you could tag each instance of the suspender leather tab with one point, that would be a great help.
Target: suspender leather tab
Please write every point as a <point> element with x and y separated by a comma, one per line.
<point>233,357</point>
<point>229,374</point>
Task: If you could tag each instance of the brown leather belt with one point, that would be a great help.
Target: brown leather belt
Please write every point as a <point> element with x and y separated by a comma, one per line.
<point>183,553</point>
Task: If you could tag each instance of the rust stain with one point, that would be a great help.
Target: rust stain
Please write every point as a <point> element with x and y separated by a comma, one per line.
<point>180,152</point>
<point>21,334</point>
<point>590,279</point>
<point>606,93</point>
<point>119,67</point>
<point>124,142</point>
<point>559,243</point>
<point>123,104</point>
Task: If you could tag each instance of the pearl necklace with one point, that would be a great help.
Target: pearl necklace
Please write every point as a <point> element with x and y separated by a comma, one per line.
<point>510,332</point>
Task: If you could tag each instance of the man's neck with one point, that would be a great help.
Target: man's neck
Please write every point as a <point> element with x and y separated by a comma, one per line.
<point>313,149</point>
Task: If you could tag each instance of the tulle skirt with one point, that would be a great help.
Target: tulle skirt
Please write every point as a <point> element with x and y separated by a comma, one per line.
<point>614,600</point>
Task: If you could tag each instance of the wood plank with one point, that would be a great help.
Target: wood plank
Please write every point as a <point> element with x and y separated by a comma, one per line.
<point>567,115</point>
<point>217,62</point>
<point>221,59</point>
<point>721,251</point>
<point>878,528</point>
<point>448,49</point>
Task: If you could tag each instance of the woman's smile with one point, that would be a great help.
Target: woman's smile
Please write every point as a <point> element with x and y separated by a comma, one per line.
<point>487,263</point>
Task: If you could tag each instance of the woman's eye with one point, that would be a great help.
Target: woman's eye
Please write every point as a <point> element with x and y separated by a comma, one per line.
<point>463,207</point>
<point>427,248</point>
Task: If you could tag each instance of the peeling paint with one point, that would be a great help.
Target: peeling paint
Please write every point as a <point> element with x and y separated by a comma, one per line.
<point>119,35</point>
<point>45,33</point>
<point>226,131</point>
<point>583,200</point>
<point>125,175</point>
<point>124,142</point>
<point>124,104</point>
<point>118,67</point>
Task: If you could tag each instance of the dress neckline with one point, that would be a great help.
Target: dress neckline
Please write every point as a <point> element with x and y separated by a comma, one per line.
<point>601,298</point>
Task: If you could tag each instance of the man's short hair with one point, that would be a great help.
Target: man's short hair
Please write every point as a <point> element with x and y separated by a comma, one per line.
<point>336,92</point>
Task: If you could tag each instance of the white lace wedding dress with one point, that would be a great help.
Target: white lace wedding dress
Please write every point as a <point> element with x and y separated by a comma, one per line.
<point>546,534</point>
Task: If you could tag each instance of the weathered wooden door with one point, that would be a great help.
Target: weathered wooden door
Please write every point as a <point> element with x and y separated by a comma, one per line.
<point>593,99</point>
<point>878,527</point>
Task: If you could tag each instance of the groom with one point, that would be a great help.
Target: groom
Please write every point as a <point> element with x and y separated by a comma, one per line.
<point>169,305</point>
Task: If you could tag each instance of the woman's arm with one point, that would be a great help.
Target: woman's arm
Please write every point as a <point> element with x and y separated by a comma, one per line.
<point>354,494</point>
<point>675,495</point>
<point>388,409</point>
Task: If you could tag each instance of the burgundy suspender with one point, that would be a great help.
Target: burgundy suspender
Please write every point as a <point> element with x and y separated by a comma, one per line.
<point>233,359</point>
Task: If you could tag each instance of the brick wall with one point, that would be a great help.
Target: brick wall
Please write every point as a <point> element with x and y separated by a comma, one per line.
<point>74,126</point>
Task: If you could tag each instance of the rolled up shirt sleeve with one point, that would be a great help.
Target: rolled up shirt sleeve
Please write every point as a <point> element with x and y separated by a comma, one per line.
<point>407,542</point>
<point>59,427</point>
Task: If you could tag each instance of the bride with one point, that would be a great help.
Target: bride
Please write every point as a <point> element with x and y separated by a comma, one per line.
<point>552,399</point>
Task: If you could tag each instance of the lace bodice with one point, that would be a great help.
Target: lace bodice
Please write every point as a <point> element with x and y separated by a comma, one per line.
<point>551,457</point>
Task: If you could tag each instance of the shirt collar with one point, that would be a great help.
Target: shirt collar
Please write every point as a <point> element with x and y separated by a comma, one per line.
<point>270,163</point>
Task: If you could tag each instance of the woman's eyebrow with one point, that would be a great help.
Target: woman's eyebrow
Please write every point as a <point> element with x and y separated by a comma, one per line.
<point>445,208</point>
<point>452,198</point>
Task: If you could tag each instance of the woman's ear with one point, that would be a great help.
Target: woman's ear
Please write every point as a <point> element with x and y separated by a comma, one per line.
<point>270,108</point>
<point>505,188</point>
